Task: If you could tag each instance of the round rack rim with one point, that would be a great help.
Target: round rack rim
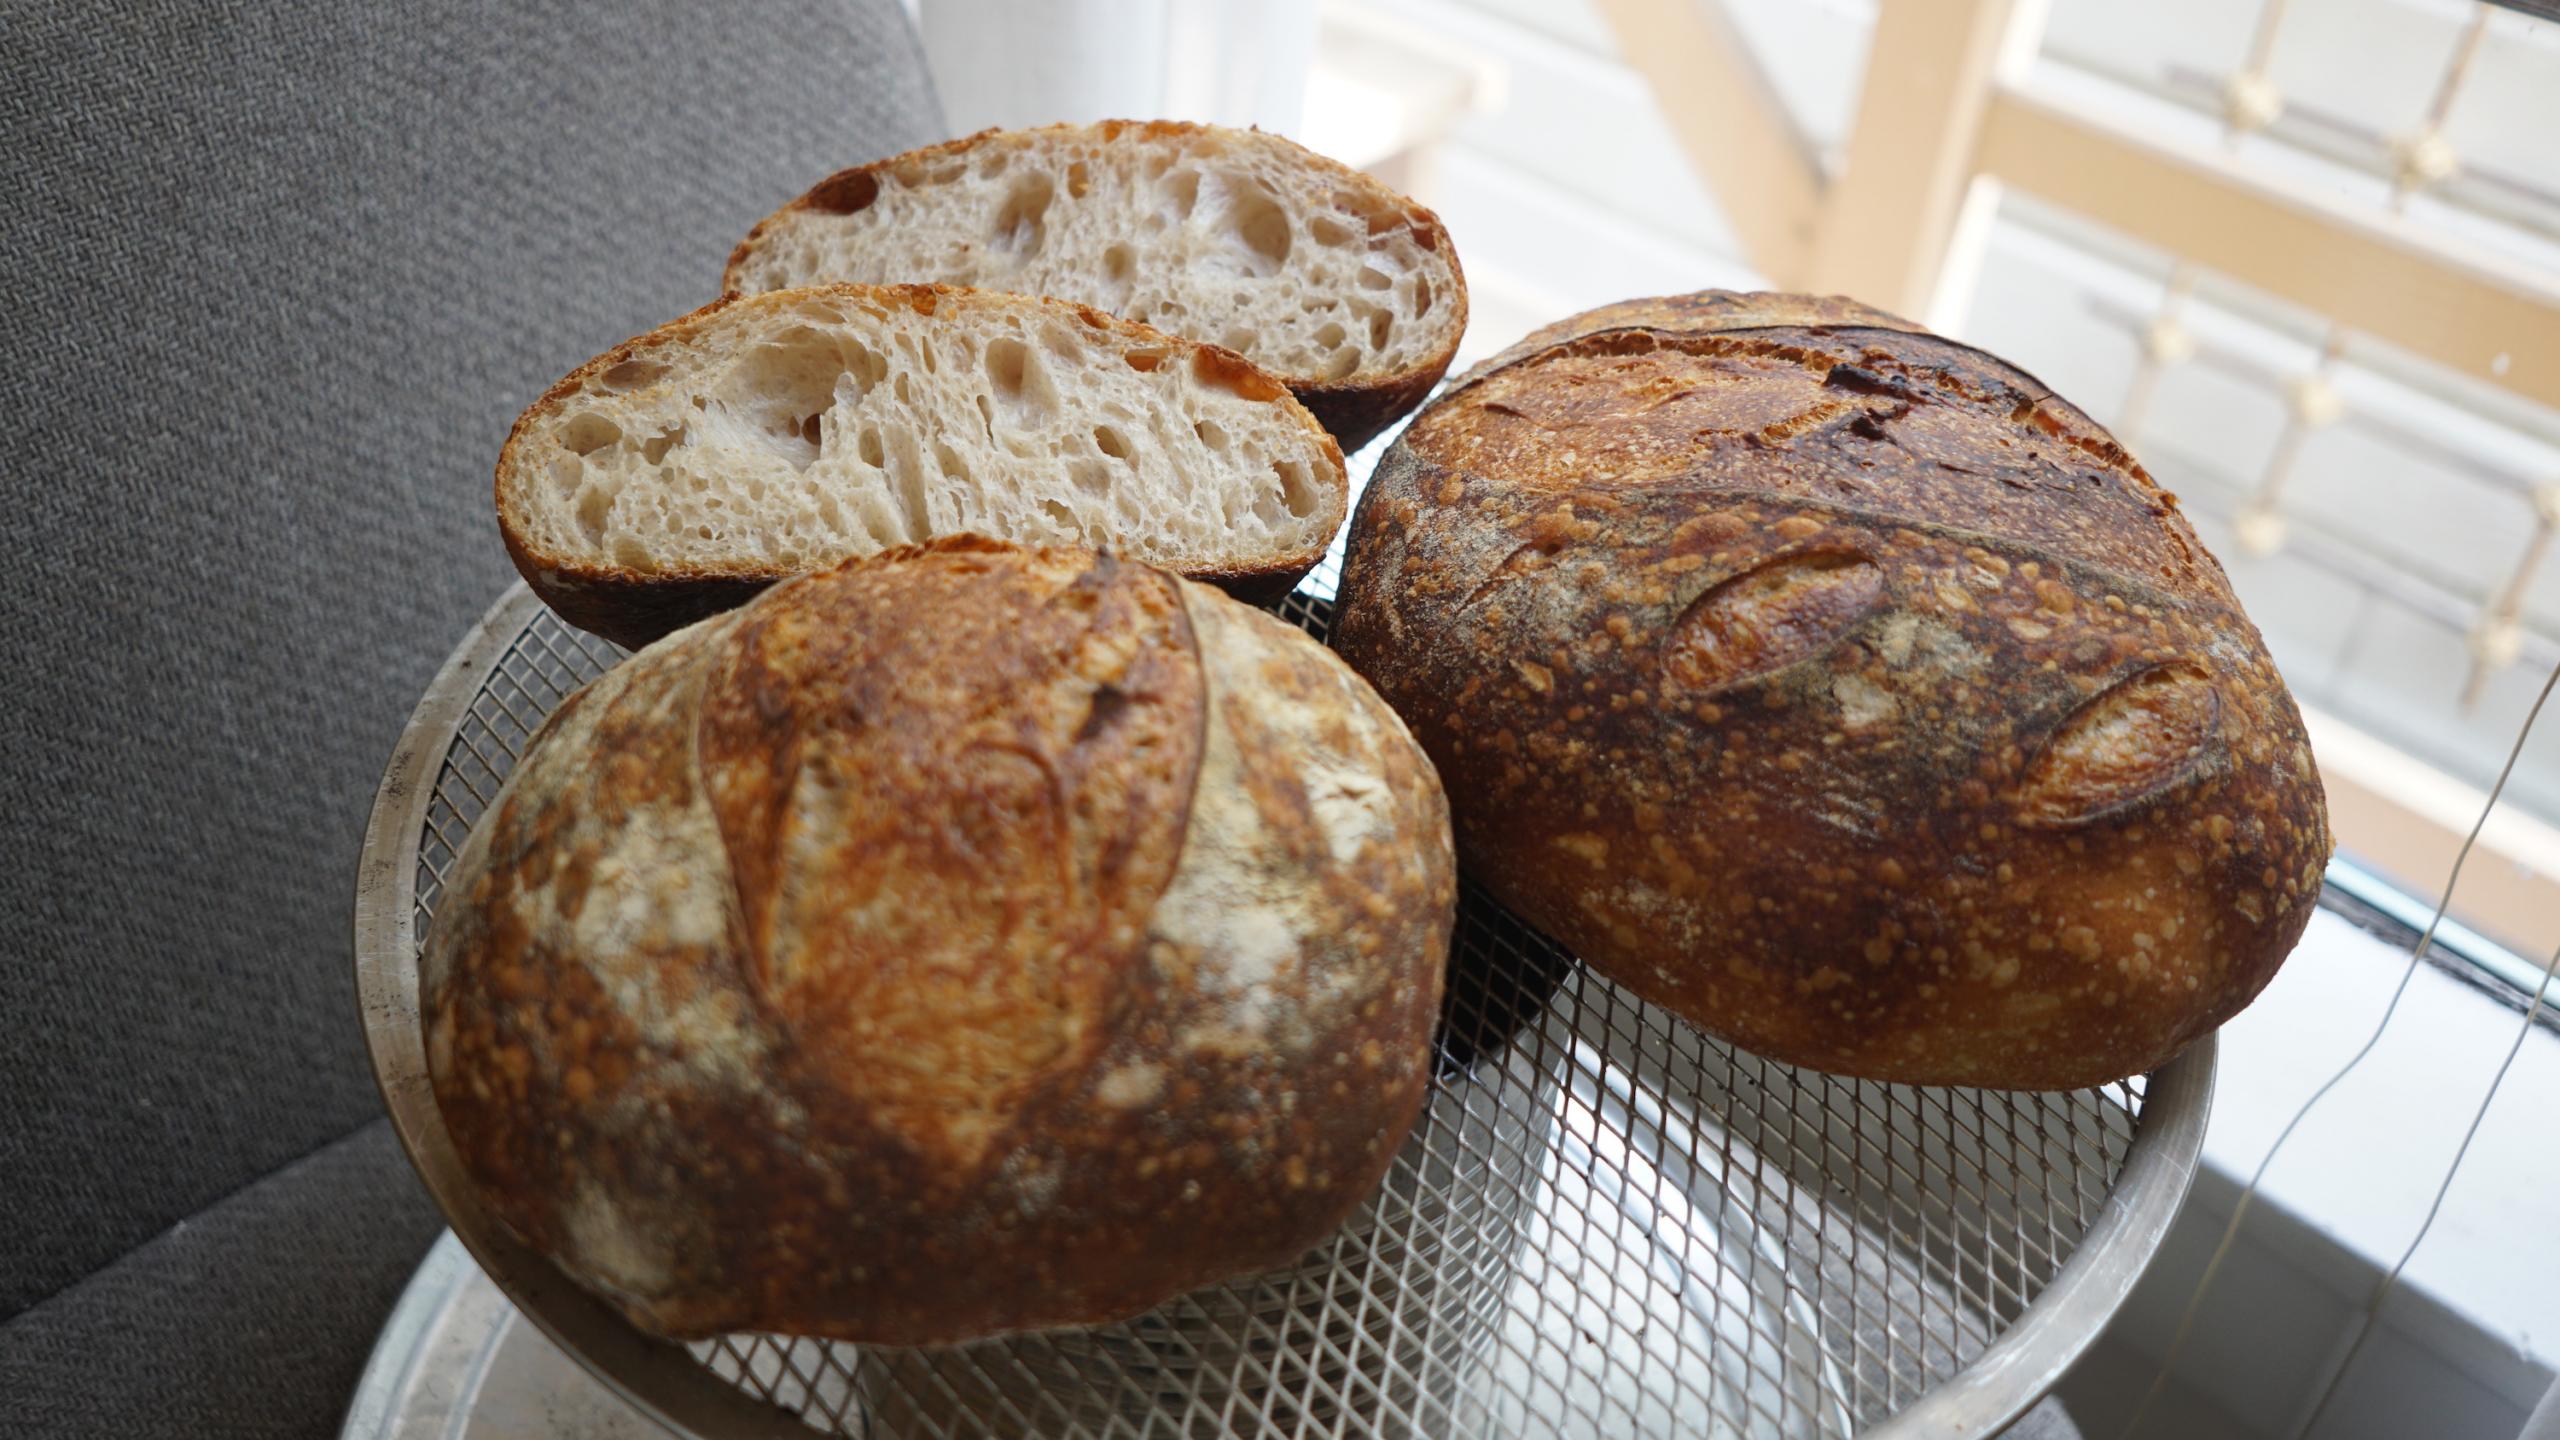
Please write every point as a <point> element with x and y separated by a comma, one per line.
<point>668,1384</point>
<point>657,1376</point>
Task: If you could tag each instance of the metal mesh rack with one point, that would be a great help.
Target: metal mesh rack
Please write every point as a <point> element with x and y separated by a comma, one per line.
<point>1604,1224</point>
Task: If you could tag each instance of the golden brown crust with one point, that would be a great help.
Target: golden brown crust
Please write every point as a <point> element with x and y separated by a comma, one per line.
<point>628,609</point>
<point>824,972</point>
<point>1703,312</point>
<point>634,608</point>
<point>1354,410</point>
<point>1839,688</point>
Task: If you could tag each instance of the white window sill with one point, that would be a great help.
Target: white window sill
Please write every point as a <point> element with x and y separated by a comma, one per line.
<point>2467,1343</point>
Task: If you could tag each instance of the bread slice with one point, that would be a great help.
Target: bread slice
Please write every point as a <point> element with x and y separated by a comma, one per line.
<point>1348,292</point>
<point>767,436</point>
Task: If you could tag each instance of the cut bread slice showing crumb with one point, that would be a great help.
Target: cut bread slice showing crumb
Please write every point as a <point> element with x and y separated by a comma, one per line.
<point>767,436</point>
<point>1348,292</point>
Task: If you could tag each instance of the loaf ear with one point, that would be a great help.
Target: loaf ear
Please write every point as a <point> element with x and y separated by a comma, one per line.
<point>2135,741</point>
<point>1771,616</point>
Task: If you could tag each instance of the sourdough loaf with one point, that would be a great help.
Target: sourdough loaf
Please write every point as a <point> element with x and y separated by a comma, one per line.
<point>1841,689</point>
<point>968,939</point>
<point>768,436</point>
<point>1347,291</point>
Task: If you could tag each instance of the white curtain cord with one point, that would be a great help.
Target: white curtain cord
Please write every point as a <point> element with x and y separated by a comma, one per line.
<point>2382,1292</point>
<point>2249,1192</point>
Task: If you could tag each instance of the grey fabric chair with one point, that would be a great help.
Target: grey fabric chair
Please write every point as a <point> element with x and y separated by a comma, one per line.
<point>279,277</point>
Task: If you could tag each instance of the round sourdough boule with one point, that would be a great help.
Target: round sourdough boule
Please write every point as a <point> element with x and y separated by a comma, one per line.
<point>967,939</point>
<point>1841,689</point>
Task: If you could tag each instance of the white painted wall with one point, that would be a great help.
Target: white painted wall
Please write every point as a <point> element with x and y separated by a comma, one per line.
<point>1229,62</point>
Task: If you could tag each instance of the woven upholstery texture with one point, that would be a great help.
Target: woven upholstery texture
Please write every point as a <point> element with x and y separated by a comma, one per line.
<point>281,275</point>
<point>253,1318</point>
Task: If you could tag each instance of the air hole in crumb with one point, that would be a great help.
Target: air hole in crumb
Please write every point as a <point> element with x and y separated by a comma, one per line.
<point>1211,434</point>
<point>949,459</point>
<point>1326,230</point>
<point>1297,488</point>
<point>1020,226</point>
<point>1373,278</point>
<point>630,375</point>
<point>1181,191</point>
<point>1237,338</point>
<point>1111,442</point>
<point>1060,515</point>
<point>812,429</point>
<point>797,376</point>
<point>1340,364</point>
<point>870,448</point>
<point>1379,324</point>
<point>658,446</point>
<point>1013,371</point>
<point>1079,179</point>
<point>594,507</point>
<point>1421,296</point>
<point>585,433</point>
<point>1262,228</point>
<point>1118,262</point>
<point>1330,334</point>
<point>1145,360</point>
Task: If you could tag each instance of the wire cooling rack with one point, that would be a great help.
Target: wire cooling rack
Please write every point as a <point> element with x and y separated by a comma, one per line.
<point>1604,1225</point>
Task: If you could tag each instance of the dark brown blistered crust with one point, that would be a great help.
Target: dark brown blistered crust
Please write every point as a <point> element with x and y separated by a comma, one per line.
<point>633,608</point>
<point>1355,411</point>
<point>1356,414</point>
<point>824,972</point>
<point>1839,688</point>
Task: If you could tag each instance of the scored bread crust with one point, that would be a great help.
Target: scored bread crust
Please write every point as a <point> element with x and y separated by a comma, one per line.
<point>827,972</point>
<point>634,605</point>
<point>1841,689</point>
<point>1355,407</point>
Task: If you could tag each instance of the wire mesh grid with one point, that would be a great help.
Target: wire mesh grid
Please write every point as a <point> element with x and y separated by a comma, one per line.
<point>1604,1224</point>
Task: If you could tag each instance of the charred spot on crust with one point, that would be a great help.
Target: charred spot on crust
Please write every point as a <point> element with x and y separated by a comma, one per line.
<point>1868,426</point>
<point>1109,703</point>
<point>1860,380</point>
